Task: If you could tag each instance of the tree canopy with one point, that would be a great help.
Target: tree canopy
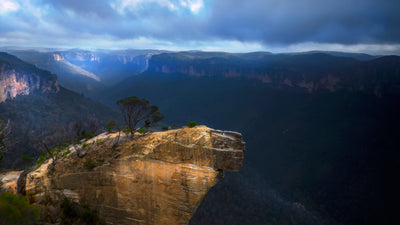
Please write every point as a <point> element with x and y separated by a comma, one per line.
<point>136,111</point>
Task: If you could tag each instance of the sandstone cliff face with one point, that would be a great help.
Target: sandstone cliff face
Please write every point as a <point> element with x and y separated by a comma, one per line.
<point>13,83</point>
<point>159,178</point>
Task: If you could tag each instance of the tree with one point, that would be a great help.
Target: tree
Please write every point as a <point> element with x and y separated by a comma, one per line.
<point>49,142</point>
<point>111,124</point>
<point>191,124</point>
<point>135,111</point>
<point>5,130</point>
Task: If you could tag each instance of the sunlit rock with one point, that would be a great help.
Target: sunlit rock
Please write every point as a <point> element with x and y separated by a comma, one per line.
<point>158,178</point>
<point>14,83</point>
<point>12,182</point>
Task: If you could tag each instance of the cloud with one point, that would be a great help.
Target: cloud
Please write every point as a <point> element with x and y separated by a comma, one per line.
<point>174,5</point>
<point>195,5</point>
<point>271,24</point>
<point>288,22</point>
<point>8,6</point>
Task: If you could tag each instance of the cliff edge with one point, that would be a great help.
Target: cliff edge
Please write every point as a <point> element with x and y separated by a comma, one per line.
<point>157,178</point>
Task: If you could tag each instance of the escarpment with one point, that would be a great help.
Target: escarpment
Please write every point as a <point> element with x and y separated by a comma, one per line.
<point>157,178</point>
<point>20,78</point>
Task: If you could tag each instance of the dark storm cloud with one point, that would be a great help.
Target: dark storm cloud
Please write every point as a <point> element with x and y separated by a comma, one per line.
<point>287,21</point>
<point>271,22</point>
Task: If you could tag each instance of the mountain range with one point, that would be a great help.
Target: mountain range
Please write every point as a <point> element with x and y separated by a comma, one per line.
<point>321,127</point>
<point>33,101</point>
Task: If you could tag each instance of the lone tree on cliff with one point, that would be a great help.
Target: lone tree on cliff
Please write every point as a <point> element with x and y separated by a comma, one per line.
<point>136,111</point>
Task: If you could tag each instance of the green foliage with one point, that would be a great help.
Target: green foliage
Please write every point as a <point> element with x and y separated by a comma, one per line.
<point>15,209</point>
<point>27,158</point>
<point>164,128</point>
<point>85,145</point>
<point>127,129</point>
<point>87,135</point>
<point>111,124</point>
<point>64,154</point>
<point>83,133</point>
<point>142,131</point>
<point>156,117</point>
<point>175,126</point>
<point>41,159</point>
<point>191,124</point>
<point>135,111</point>
<point>100,142</point>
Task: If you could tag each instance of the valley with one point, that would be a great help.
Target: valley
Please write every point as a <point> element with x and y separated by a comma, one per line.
<point>320,127</point>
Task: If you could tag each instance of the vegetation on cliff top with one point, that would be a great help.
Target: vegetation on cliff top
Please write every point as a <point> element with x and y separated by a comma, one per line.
<point>135,111</point>
<point>16,210</point>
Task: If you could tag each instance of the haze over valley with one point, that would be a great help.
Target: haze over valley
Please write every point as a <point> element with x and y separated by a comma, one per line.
<point>199,112</point>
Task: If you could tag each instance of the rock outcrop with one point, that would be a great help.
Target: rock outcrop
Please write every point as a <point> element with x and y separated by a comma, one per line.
<point>158,178</point>
<point>19,78</point>
<point>12,182</point>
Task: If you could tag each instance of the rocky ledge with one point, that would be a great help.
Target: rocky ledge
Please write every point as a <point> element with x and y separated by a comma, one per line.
<point>157,178</point>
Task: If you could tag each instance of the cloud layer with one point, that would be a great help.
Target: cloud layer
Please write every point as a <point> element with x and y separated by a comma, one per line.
<point>189,23</point>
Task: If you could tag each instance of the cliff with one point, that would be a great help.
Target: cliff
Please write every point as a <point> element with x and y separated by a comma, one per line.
<point>20,78</point>
<point>158,178</point>
<point>310,72</point>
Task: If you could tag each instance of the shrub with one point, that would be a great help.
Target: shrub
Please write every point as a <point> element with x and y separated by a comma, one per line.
<point>111,124</point>
<point>164,128</point>
<point>64,154</point>
<point>15,209</point>
<point>100,142</point>
<point>127,130</point>
<point>84,145</point>
<point>41,159</point>
<point>191,124</point>
<point>142,131</point>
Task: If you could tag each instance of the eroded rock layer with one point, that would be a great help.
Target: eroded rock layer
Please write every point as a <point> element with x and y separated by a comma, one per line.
<point>159,178</point>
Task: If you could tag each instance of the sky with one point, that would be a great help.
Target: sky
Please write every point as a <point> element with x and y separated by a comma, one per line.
<point>369,26</point>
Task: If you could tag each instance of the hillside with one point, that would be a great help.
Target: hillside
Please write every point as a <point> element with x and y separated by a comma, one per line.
<point>320,127</point>
<point>323,150</point>
<point>88,71</point>
<point>34,102</point>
